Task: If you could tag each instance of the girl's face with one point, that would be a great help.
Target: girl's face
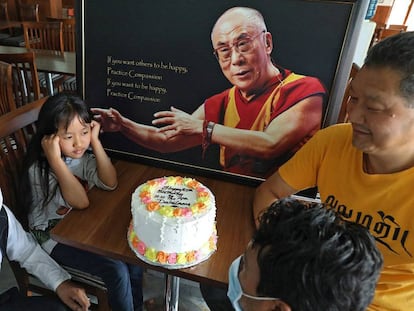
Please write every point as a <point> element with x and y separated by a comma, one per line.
<point>74,140</point>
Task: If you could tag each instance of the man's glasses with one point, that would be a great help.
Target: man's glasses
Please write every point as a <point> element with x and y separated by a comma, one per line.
<point>242,46</point>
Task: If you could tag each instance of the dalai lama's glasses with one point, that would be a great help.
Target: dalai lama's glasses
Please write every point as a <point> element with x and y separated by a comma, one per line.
<point>242,46</point>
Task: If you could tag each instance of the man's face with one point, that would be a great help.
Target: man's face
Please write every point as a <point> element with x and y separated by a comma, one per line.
<point>247,71</point>
<point>382,123</point>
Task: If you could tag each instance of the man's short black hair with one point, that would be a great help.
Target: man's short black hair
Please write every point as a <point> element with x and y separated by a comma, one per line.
<point>312,259</point>
<point>396,52</point>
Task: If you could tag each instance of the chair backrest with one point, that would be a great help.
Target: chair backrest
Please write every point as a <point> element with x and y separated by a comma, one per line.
<point>398,27</point>
<point>46,36</point>
<point>27,11</point>
<point>4,11</point>
<point>387,32</point>
<point>16,130</point>
<point>6,92</point>
<point>25,78</point>
<point>343,114</point>
<point>69,32</point>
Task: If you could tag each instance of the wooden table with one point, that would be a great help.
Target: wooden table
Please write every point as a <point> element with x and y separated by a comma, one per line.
<point>48,62</point>
<point>102,228</point>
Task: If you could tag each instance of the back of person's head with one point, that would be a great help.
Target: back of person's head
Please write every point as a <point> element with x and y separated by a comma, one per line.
<point>313,260</point>
<point>397,53</point>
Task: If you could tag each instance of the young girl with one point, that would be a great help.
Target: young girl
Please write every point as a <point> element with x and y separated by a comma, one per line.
<point>60,167</point>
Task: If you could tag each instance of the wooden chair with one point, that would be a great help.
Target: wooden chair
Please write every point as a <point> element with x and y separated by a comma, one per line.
<point>4,16</point>
<point>46,36</point>
<point>6,91</point>
<point>343,114</point>
<point>69,32</point>
<point>27,11</point>
<point>25,79</point>
<point>16,128</point>
<point>69,83</point>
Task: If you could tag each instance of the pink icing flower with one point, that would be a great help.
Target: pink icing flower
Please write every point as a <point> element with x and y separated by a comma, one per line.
<point>172,258</point>
<point>141,248</point>
<point>186,212</point>
<point>146,199</point>
<point>197,255</point>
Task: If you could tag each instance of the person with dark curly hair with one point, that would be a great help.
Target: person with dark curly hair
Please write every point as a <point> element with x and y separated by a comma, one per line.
<point>304,257</point>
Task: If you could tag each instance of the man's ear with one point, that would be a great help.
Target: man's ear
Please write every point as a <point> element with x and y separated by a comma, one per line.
<point>279,305</point>
<point>269,42</point>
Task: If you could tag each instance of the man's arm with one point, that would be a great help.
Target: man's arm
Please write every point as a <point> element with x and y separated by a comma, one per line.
<point>22,248</point>
<point>147,136</point>
<point>272,189</point>
<point>283,133</point>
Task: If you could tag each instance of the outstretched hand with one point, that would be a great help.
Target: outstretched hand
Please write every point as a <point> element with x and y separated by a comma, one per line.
<point>110,119</point>
<point>73,296</point>
<point>177,123</point>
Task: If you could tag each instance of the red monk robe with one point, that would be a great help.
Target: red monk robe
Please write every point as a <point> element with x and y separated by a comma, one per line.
<point>231,109</point>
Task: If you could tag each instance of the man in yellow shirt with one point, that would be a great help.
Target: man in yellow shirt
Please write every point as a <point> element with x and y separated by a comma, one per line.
<point>365,169</point>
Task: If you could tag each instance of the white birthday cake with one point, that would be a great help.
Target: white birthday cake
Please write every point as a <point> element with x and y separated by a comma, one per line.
<point>173,222</point>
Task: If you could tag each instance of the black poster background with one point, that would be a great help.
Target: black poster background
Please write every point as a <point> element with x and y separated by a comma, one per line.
<point>170,40</point>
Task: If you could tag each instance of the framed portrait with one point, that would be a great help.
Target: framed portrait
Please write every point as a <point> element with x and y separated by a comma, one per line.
<point>142,57</point>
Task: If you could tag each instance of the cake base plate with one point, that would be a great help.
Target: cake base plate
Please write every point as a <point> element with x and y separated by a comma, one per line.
<point>131,233</point>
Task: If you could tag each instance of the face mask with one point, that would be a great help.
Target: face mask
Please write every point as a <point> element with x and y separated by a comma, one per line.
<point>235,291</point>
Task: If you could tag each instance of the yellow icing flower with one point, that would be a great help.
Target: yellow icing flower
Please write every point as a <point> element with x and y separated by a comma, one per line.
<point>212,242</point>
<point>181,259</point>
<point>151,254</point>
<point>194,208</point>
<point>166,211</point>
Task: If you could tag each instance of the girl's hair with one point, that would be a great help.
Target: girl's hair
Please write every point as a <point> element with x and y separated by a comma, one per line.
<point>58,111</point>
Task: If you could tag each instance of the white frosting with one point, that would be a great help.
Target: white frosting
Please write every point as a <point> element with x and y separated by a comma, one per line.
<point>173,234</point>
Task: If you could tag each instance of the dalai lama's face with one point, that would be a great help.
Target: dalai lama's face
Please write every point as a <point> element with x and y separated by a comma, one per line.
<point>243,50</point>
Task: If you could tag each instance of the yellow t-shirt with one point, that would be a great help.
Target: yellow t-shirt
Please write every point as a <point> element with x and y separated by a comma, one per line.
<point>384,203</point>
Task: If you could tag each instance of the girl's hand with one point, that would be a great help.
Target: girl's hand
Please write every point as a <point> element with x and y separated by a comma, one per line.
<point>95,129</point>
<point>51,147</point>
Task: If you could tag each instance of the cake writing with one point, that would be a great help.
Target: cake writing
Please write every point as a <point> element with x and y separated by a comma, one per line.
<point>175,196</point>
